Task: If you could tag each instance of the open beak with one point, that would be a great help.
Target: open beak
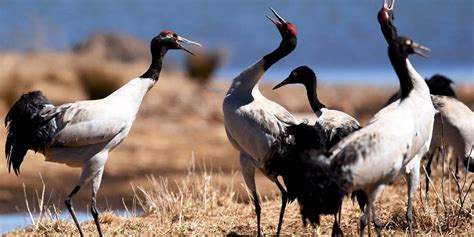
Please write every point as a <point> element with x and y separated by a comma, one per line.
<point>287,81</point>
<point>420,49</point>
<point>184,40</point>
<point>279,18</point>
<point>387,6</point>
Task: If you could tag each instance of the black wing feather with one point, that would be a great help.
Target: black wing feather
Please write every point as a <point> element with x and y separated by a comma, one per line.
<point>27,128</point>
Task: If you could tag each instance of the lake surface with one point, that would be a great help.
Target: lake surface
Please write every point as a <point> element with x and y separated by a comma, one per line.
<point>13,221</point>
<point>334,36</point>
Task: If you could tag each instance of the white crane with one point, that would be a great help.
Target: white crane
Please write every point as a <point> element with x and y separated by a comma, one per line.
<point>252,122</point>
<point>333,125</point>
<point>368,158</point>
<point>82,133</point>
<point>454,124</point>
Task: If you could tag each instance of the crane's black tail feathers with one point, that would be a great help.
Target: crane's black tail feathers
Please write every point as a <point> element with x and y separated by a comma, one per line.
<point>27,128</point>
<point>321,185</point>
<point>305,136</point>
<point>309,175</point>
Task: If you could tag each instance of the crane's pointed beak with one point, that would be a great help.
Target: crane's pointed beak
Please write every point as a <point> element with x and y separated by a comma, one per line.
<point>287,81</point>
<point>420,49</point>
<point>390,7</point>
<point>184,40</point>
<point>279,18</point>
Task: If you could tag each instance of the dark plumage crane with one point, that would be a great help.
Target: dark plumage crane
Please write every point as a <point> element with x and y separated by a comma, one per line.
<point>252,122</point>
<point>331,125</point>
<point>82,133</point>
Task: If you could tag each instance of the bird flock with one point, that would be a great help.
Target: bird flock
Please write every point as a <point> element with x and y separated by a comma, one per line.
<point>319,164</point>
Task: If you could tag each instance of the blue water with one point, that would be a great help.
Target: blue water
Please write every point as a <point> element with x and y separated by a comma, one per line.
<point>340,39</point>
<point>13,221</point>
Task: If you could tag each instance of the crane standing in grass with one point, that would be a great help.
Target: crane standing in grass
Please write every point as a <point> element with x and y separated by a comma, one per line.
<point>252,122</point>
<point>368,158</point>
<point>458,128</point>
<point>82,133</point>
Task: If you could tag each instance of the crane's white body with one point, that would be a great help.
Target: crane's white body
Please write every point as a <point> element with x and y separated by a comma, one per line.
<point>395,135</point>
<point>456,125</point>
<point>335,118</point>
<point>88,130</point>
<point>252,122</point>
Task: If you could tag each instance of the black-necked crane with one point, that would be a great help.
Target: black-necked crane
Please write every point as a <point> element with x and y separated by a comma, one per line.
<point>461,137</point>
<point>412,169</point>
<point>82,133</point>
<point>333,125</point>
<point>252,122</point>
<point>370,157</point>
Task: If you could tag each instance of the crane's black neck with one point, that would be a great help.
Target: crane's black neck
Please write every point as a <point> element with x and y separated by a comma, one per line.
<point>399,63</point>
<point>312,93</point>
<point>389,31</point>
<point>154,70</point>
<point>285,48</point>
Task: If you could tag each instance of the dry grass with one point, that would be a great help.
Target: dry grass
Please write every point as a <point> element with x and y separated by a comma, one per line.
<point>203,202</point>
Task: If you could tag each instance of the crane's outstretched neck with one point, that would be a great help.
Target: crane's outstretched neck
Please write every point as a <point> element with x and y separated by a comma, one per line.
<point>154,70</point>
<point>389,31</point>
<point>247,80</point>
<point>285,48</point>
<point>399,63</point>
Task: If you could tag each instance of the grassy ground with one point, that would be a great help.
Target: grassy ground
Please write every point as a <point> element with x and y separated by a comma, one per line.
<point>178,120</point>
<point>206,203</point>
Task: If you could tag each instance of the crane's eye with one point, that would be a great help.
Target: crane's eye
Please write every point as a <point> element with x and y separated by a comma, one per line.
<point>408,42</point>
<point>294,74</point>
<point>169,36</point>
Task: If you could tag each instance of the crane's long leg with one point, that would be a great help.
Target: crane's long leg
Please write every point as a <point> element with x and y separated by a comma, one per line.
<point>95,188</point>
<point>336,228</point>
<point>364,219</point>
<point>377,225</point>
<point>428,173</point>
<point>457,174</point>
<point>413,182</point>
<point>284,200</point>
<point>257,210</point>
<point>68,202</point>
<point>248,171</point>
